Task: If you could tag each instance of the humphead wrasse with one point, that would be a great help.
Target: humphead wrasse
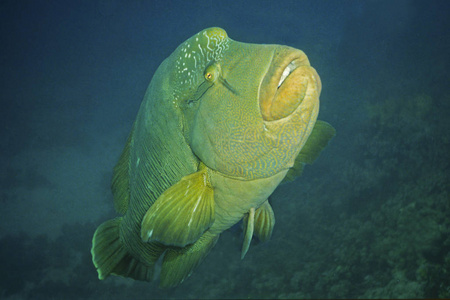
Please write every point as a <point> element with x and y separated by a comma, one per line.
<point>222,124</point>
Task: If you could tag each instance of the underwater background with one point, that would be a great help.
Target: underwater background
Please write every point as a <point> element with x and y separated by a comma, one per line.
<point>369,219</point>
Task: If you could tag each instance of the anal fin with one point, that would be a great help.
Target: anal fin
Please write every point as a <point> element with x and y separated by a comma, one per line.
<point>179,263</point>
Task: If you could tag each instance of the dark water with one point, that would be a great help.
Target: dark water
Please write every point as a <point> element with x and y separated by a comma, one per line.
<point>370,218</point>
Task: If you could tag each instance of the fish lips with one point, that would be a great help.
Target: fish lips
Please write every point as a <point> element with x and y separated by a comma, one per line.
<point>286,83</point>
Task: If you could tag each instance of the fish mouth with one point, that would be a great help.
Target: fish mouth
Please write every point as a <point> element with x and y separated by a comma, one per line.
<point>285,83</point>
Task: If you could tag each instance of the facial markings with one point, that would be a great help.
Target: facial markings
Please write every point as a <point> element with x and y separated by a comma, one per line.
<point>195,55</point>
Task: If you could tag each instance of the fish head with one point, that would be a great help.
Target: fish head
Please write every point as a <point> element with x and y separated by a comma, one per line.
<point>247,109</point>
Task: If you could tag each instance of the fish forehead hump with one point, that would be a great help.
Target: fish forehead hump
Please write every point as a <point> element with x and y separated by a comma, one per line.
<point>192,57</point>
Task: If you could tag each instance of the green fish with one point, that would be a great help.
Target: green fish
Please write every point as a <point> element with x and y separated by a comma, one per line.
<point>222,124</point>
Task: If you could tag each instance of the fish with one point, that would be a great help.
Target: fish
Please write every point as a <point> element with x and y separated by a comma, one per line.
<point>221,125</point>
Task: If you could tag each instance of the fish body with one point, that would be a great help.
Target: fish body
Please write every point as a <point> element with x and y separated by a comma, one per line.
<point>222,124</point>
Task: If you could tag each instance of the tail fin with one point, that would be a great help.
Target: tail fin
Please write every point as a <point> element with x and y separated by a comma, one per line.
<point>110,256</point>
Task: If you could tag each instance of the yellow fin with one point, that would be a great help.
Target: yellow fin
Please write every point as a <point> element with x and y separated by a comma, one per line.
<point>110,255</point>
<point>321,134</point>
<point>295,171</point>
<point>182,213</point>
<point>178,264</point>
<point>121,181</point>
<point>249,222</point>
<point>264,222</point>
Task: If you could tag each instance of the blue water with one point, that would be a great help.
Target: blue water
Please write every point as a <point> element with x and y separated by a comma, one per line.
<point>369,219</point>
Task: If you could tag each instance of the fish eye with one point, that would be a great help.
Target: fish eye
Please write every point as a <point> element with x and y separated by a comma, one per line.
<point>212,73</point>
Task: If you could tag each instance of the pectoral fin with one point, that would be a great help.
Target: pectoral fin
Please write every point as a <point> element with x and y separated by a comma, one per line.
<point>182,213</point>
<point>321,134</point>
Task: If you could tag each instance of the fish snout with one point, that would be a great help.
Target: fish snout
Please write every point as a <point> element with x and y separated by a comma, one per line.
<point>289,81</point>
